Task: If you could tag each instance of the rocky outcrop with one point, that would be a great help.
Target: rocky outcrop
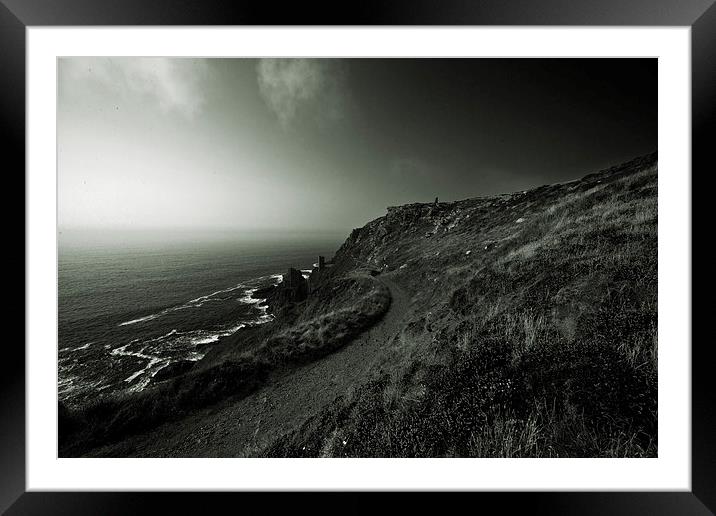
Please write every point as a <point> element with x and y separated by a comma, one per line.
<point>293,288</point>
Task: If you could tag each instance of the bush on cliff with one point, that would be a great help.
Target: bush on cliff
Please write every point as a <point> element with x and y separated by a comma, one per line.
<point>326,333</point>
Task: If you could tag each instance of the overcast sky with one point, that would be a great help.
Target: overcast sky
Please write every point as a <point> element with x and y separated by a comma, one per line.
<point>301,144</point>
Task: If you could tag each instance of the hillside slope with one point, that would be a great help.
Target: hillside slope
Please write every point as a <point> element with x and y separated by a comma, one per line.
<point>517,325</point>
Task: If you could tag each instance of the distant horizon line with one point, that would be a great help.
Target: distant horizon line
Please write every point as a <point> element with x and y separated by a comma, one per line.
<point>213,229</point>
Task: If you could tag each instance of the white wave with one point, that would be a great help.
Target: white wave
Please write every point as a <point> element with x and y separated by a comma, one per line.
<point>66,385</point>
<point>122,350</point>
<point>119,350</point>
<point>188,339</point>
<point>145,381</point>
<point>78,348</point>
<point>208,337</point>
<point>192,303</point>
<point>173,332</point>
<point>264,318</point>
<point>151,362</point>
<point>199,301</point>
<point>85,346</point>
<point>234,329</point>
<point>141,319</point>
<point>248,299</point>
<point>205,340</point>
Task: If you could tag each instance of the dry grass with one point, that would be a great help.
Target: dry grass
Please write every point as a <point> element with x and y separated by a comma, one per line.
<point>549,346</point>
<point>325,333</point>
<point>547,433</point>
<point>543,339</point>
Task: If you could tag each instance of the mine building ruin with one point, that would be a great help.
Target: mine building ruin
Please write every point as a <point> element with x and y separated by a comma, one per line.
<point>295,285</point>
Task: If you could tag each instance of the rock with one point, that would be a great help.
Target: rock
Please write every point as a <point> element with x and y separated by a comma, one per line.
<point>263,293</point>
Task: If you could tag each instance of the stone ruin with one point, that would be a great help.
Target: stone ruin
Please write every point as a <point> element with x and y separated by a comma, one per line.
<point>295,288</point>
<point>294,285</point>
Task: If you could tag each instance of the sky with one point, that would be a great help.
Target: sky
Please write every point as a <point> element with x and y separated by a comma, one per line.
<point>327,144</point>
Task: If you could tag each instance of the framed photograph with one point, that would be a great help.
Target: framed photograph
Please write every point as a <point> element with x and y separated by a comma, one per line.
<point>418,248</point>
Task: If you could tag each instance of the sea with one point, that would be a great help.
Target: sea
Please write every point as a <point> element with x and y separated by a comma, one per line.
<point>132,302</point>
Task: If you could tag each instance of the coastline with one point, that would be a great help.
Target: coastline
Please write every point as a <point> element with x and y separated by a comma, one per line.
<point>433,326</point>
<point>196,341</point>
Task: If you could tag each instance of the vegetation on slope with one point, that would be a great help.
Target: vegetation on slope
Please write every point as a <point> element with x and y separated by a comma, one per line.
<point>527,327</point>
<point>546,345</point>
<point>312,339</point>
<point>235,375</point>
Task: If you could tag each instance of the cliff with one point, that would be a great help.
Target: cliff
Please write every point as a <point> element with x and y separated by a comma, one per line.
<point>521,324</point>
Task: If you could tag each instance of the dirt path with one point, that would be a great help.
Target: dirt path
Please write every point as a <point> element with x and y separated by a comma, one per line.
<point>241,428</point>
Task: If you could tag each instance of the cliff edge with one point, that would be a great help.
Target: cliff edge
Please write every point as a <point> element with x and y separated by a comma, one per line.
<point>521,324</point>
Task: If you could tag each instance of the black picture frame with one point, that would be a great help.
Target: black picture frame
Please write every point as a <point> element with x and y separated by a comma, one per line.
<point>17,15</point>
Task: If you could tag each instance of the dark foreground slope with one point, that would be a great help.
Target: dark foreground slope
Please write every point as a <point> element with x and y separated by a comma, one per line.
<point>517,325</point>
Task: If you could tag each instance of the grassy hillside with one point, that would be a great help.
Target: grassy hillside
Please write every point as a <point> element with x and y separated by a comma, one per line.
<point>518,325</point>
<point>533,333</point>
